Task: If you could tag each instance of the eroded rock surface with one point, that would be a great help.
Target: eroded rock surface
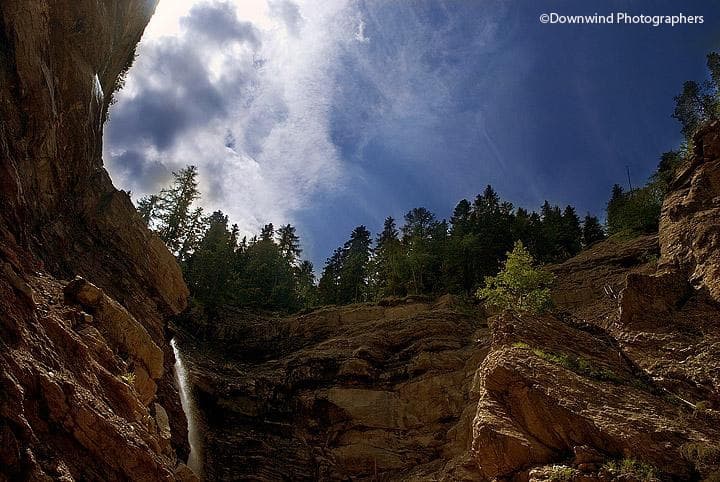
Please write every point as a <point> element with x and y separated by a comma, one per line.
<point>359,392</point>
<point>78,375</point>
<point>628,367</point>
<point>690,221</point>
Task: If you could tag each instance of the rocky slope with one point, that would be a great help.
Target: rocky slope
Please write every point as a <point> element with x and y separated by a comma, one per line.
<point>85,367</point>
<point>619,382</point>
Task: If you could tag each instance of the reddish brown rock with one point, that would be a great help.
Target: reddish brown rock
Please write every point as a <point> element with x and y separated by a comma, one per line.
<point>356,392</point>
<point>67,407</point>
<point>690,221</point>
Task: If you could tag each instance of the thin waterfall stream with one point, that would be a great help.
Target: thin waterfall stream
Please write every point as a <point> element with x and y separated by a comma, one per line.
<point>188,405</point>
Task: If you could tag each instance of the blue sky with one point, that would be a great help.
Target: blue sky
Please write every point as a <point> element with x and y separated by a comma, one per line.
<point>332,114</point>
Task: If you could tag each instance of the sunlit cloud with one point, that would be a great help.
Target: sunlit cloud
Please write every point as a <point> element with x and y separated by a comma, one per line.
<point>281,103</point>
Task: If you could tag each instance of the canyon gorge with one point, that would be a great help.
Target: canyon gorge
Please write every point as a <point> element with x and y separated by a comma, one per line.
<point>100,361</point>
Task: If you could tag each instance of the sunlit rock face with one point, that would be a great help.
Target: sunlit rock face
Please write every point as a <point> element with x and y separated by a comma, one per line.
<point>630,367</point>
<point>690,222</point>
<point>623,371</point>
<point>80,381</point>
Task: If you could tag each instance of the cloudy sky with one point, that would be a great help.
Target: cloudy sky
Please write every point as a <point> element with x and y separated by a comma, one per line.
<point>329,114</point>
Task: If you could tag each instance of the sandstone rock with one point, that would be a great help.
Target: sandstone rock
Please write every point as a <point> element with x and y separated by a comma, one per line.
<point>357,391</point>
<point>589,285</point>
<point>183,473</point>
<point>119,326</point>
<point>537,404</point>
<point>163,422</point>
<point>18,284</point>
<point>587,455</point>
<point>62,398</point>
<point>690,220</point>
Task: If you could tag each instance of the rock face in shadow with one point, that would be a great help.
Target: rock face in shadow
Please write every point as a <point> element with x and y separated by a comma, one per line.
<point>589,284</point>
<point>80,378</point>
<point>360,392</point>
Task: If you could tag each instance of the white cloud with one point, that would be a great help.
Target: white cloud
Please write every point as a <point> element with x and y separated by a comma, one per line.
<point>262,95</point>
<point>265,77</point>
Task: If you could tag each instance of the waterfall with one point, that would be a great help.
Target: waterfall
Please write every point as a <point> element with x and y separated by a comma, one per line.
<point>188,405</point>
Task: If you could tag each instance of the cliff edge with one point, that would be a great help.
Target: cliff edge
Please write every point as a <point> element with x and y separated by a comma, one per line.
<point>85,289</point>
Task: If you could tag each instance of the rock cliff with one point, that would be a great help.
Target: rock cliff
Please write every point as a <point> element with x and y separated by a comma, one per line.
<point>626,369</point>
<point>619,382</point>
<point>85,367</point>
<point>356,392</point>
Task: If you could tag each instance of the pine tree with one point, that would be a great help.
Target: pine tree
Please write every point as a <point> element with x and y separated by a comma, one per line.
<point>388,261</point>
<point>208,272</point>
<point>234,235</point>
<point>461,251</point>
<point>592,231</point>
<point>268,232</point>
<point>548,247</point>
<point>615,210</point>
<point>289,243</point>
<point>267,279</point>
<point>669,163</point>
<point>196,226</point>
<point>460,219</point>
<point>353,279</point>
<point>570,236</point>
<point>174,216</point>
<point>693,106</point>
<point>423,261</point>
<point>146,207</point>
<point>492,223</point>
<point>307,292</point>
<point>329,285</point>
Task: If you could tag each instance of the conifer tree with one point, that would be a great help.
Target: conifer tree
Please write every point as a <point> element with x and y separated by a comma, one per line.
<point>194,231</point>
<point>289,243</point>
<point>492,221</point>
<point>307,292</point>
<point>329,285</point>
<point>388,261</point>
<point>692,107</point>
<point>461,251</point>
<point>592,231</point>
<point>423,261</point>
<point>146,207</point>
<point>570,236</point>
<point>174,216</point>
<point>268,232</point>
<point>208,271</point>
<point>353,279</point>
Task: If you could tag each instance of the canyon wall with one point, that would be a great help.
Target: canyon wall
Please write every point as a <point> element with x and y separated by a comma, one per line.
<point>619,382</point>
<point>86,367</point>
<point>626,367</point>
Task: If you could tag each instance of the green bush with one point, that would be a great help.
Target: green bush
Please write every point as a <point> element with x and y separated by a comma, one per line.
<point>562,473</point>
<point>128,378</point>
<point>520,286</point>
<point>631,468</point>
<point>637,211</point>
